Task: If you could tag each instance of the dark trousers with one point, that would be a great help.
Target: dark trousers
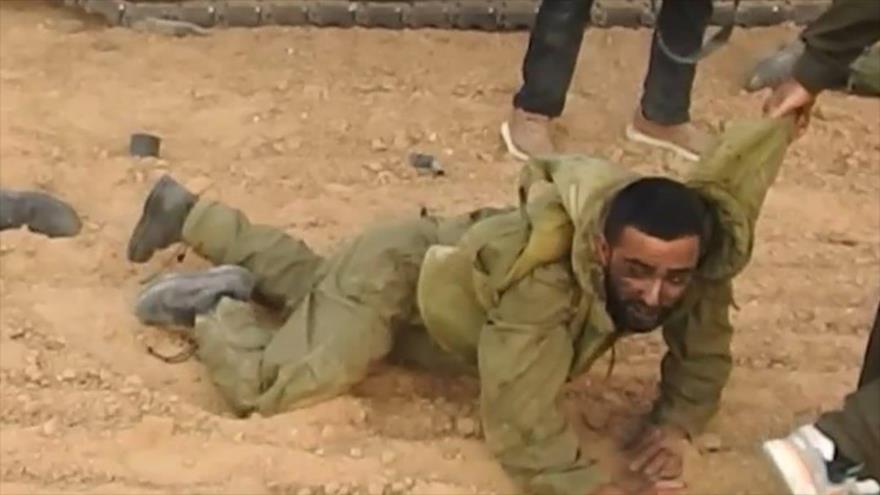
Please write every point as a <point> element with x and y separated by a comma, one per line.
<point>855,429</point>
<point>556,40</point>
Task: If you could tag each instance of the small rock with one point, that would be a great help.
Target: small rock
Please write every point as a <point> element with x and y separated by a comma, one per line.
<point>356,453</point>
<point>332,488</point>
<point>409,482</point>
<point>134,381</point>
<point>374,167</point>
<point>50,427</point>
<point>239,437</point>
<point>398,487</point>
<point>319,452</point>
<point>327,431</point>
<point>17,333</point>
<point>711,442</point>
<point>378,145</point>
<point>375,489</point>
<point>337,188</point>
<point>68,375</point>
<point>388,457</point>
<point>304,491</point>
<point>466,426</point>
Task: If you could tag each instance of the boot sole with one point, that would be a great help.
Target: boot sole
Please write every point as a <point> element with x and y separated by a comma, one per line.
<point>635,135</point>
<point>511,147</point>
<point>230,281</point>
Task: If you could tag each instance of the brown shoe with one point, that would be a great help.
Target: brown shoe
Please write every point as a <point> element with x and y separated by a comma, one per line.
<point>527,135</point>
<point>687,140</point>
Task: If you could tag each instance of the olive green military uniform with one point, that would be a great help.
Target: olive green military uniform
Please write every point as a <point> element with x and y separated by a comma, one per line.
<point>514,295</point>
<point>838,48</point>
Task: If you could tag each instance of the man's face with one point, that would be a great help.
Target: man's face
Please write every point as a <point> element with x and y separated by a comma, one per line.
<point>646,277</point>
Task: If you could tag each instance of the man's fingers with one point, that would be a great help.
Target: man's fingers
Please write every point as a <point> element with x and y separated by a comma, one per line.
<point>645,456</point>
<point>657,465</point>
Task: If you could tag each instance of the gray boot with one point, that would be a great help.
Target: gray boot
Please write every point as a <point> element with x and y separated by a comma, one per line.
<point>176,298</point>
<point>40,212</point>
<point>161,222</point>
<point>776,68</point>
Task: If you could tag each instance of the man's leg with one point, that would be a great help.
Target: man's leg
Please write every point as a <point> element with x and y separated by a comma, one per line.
<point>547,71</point>
<point>855,429</point>
<point>347,322</point>
<point>284,268</point>
<point>664,116</point>
<point>843,446</point>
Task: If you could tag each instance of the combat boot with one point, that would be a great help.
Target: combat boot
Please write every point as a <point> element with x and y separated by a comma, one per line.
<point>177,298</point>
<point>686,140</point>
<point>807,463</point>
<point>40,212</point>
<point>775,69</point>
<point>162,219</point>
<point>527,135</point>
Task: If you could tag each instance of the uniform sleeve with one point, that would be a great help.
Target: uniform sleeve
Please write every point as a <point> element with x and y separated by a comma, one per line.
<point>697,365</point>
<point>834,40</point>
<point>524,355</point>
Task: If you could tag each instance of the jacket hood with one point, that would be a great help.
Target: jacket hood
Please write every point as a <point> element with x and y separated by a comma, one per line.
<point>733,178</point>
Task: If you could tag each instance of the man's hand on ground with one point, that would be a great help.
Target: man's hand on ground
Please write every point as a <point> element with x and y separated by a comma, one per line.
<point>791,98</point>
<point>658,453</point>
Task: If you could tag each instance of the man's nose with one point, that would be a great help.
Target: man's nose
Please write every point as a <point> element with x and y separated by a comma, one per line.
<point>651,296</point>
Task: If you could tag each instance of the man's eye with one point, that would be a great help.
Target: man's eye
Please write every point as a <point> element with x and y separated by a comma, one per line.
<point>679,279</point>
<point>638,271</point>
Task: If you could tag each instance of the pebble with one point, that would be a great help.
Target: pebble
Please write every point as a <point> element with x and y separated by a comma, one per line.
<point>398,487</point>
<point>68,375</point>
<point>50,427</point>
<point>356,453</point>
<point>466,426</point>
<point>375,489</point>
<point>134,381</point>
<point>711,442</point>
<point>327,431</point>
<point>388,457</point>
<point>304,491</point>
<point>331,488</point>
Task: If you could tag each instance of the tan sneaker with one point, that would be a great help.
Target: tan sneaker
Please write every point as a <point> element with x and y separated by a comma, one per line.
<point>687,140</point>
<point>527,135</point>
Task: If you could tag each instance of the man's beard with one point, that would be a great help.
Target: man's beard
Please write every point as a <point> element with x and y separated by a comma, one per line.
<point>632,315</point>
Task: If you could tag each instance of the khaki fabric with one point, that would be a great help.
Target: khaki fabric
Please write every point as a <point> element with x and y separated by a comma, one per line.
<point>865,72</point>
<point>538,285</point>
<point>516,295</point>
<point>342,312</point>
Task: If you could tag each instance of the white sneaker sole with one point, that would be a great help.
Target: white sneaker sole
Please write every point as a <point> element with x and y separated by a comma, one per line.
<point>511,147</point>
<point>634,135</point>
<point>786,460</point>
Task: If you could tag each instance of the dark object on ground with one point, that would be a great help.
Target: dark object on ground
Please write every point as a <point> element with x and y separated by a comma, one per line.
<point>483,15</point>
<point>144,145</point>
<point>40,212</point>
<point>426,164</point>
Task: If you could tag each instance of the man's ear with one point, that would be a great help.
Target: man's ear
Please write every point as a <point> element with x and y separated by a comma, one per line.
<point>603,250</point>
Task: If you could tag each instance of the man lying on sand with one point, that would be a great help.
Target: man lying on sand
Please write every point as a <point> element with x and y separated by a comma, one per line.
<point>525,298</point>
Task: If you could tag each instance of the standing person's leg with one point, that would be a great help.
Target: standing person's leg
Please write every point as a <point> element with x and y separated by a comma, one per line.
<point>554,45</point>
<point>843,446</point>
<point>663,118</point>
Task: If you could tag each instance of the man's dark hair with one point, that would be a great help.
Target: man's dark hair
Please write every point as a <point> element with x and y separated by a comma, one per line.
<point>659,207</point>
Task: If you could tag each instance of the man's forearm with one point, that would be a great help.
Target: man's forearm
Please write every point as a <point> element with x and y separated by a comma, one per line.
<point>834,41</point>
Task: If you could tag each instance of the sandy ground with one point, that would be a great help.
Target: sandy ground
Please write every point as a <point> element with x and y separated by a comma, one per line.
<point>309,130</point>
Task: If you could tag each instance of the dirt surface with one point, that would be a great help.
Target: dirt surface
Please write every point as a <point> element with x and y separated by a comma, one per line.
<point>309,130</point>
